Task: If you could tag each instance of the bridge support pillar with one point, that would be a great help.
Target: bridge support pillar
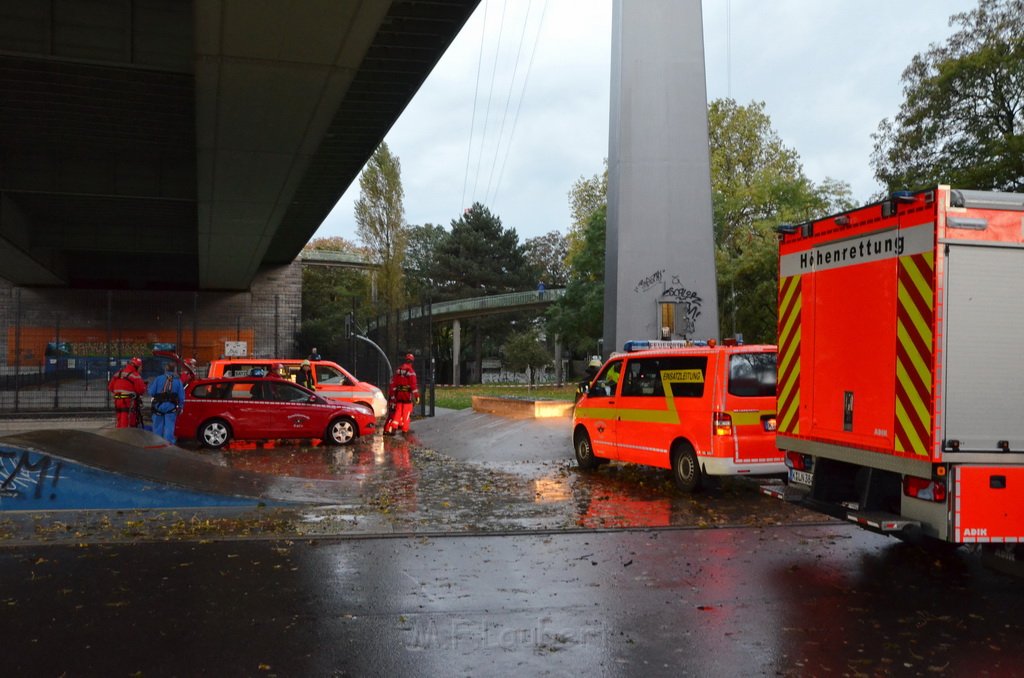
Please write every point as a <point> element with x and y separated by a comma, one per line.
<point>456,345</point>
<point>659,250</point>
<point>559,372</point>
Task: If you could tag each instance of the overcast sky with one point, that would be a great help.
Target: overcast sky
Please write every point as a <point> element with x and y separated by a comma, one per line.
<point>515,124</point>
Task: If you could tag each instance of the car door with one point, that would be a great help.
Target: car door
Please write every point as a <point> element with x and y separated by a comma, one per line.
<point>645,423</point>
<point>247,409</point>
<point>598,412</point>
<point>293,414</point>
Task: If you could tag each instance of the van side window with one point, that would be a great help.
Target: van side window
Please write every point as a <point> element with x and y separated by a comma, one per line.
<point>325,374</point>
<point>605,383</point>
<point>643,378</point>
<point>752,375</point>
<point>686,375</point>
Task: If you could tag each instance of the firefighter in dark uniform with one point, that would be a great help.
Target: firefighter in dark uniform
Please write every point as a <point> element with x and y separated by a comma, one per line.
<point>402,395</point>
<point>127,385</point>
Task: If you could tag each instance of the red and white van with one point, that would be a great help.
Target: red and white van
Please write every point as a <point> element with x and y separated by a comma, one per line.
<point>699,410</point>
<point>330,379</point>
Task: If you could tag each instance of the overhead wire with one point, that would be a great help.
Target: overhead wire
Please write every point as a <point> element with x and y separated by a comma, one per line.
<point>476,96</point>
<point>490,96</point>
<point>522,95</point>
<point>508,99</point>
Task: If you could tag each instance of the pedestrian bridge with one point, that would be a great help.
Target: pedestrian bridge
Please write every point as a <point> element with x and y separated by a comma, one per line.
<point>476,306</point>
<point>473,307</point>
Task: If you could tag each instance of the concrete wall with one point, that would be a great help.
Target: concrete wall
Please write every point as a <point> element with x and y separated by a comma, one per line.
<point>660,240</point>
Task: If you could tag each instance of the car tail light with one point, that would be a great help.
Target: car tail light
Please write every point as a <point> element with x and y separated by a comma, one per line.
<point>795,461</point>
<point>723,423</point>
<point>923,488</point>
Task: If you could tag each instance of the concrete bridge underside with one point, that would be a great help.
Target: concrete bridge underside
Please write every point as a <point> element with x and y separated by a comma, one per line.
<point>162,144</point>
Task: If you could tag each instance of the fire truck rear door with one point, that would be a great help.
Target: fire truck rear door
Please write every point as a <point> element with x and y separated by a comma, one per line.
<point>984,347</point>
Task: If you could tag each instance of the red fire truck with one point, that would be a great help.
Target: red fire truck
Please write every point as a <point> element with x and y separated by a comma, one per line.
<point>901,366</point>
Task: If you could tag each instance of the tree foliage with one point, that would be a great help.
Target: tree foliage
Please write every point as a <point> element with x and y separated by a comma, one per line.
<point>586,197</point>
<point>757,183</point>
<point>578,317</point>
<point>421,245</point>
<point>478,257</point>
<point>962,118</point>
<point>525,351</point>
<point>546,255</point>
<point>328,295</point>
<point>380,224</point>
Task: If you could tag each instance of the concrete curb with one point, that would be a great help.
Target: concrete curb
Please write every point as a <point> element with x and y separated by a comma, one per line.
<point>521,407</point>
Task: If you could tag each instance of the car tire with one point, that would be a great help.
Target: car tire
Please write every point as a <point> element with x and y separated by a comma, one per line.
<point>585,456</point>
<point>214,434</point>
<point>686,471</point>
<point>341,431</point>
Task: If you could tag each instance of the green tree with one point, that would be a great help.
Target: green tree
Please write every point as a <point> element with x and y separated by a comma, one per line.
<point>329,294</point>
<point>546,255</point>
<point>421,246</point>
<point>480,257</point>
<point>578,317</point>
<point>525,351</point>
<point>962,118</point>
<point>380,224</point>
<point>756,183</point>
<point>585,197</point>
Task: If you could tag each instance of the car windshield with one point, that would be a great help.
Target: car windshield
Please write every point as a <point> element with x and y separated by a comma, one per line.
<point>752,375</point>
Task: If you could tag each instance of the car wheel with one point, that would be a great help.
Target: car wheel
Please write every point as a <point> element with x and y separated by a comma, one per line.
<point>686,469</point>
<point>585,452</point>
<point>214,434</point>
<point>341,431</point>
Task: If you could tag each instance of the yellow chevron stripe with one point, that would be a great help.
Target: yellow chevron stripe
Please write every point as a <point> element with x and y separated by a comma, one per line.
<point>791,304</point>
<point>922,279</point>
<point>917,360</point>
<point>920,407</point>
<point>920,325</point>
<point>912,408</point>
<point>918,445</point>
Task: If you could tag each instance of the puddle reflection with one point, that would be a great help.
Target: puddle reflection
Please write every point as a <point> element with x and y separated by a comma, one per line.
<point>298,459</point>
<point>417,488</point>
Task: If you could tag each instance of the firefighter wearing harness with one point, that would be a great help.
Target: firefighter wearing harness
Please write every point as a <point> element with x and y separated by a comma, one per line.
<point>127,386</point>
<point>168,398</point>
<point>402,395</point>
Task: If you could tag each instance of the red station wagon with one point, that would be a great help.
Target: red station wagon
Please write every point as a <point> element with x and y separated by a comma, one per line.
<point>267,408</point>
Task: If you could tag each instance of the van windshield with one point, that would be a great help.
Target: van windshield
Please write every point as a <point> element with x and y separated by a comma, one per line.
<point>752,375</point>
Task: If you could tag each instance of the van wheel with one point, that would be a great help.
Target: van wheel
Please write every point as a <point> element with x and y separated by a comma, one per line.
<point>341,431</point>
<point>214,434</point>
<point>585,452</point>
<point>686,469</point>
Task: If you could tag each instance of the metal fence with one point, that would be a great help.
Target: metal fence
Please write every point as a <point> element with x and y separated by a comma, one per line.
<point>59,348</point>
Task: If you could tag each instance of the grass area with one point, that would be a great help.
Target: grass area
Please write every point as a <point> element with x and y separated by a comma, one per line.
<point>461,397</point>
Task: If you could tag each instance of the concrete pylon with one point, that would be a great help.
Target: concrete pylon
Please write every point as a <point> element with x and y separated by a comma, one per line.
<point>659,260</point>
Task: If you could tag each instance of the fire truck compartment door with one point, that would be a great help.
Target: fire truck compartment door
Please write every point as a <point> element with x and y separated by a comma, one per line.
<point>984,347</point>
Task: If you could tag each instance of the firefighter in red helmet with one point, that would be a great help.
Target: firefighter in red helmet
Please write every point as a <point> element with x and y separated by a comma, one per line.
<point>127,386</point>
<point>403,393</point>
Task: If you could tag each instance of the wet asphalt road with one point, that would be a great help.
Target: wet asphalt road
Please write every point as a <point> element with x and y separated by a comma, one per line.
<point>817,600</point>
<point>474,547</point>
